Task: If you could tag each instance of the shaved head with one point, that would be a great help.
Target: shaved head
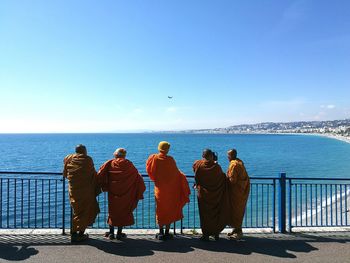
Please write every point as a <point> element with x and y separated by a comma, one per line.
<point>232,153</point>
<point>120,153</point>
<point>80,149</point>
<point>207,154</point>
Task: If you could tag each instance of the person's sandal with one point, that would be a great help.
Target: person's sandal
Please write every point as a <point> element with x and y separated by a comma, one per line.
<point>232,233</point>
<point>236,236</point>
<point>109,235</point>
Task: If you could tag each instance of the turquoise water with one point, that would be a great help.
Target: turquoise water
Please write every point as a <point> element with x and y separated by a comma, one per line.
<point>264,155</point>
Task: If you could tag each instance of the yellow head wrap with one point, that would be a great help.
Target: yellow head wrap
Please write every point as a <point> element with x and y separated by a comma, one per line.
<point>164,146</point>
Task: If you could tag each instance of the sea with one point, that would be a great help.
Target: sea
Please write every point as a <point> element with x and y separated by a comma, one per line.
<point>264,155</point>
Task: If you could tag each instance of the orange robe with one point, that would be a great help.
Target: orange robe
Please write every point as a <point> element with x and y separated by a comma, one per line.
<point>171,188</point>
<point>238,188</point>
<point>125,188</point>
<point>80,171</point>
<point>212,196</point>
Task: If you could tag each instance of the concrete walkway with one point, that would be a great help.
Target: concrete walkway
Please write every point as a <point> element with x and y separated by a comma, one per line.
<point>310,247</point>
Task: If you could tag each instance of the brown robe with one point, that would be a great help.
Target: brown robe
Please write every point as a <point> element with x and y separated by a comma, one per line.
<point>171,188</point>
<point>212,196</point>
<point>125,188</point>
<point>83,189</point>
<point>238,190</point>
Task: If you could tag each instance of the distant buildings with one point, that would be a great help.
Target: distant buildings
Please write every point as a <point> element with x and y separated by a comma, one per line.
<point>336,127</point>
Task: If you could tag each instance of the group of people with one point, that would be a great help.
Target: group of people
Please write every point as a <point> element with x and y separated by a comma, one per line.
<point>221,197</point>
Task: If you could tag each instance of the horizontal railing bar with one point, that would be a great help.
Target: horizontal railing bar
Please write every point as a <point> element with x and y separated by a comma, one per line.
<point>143,175</point>
<point>319,178</point>
<point>40,179</point>
<point>192,176</point>
<point>42,173</point>
<point>315,184</point>
<point>251,177</point>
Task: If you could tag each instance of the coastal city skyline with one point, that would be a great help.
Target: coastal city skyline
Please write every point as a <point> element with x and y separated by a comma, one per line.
<point>125,66</point>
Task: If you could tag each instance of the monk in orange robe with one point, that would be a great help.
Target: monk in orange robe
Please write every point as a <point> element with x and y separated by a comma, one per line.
<point>238,189</point>
<point>125,188</point>
<point>80,171</point>
<point>212,195</point>
<point>170,189</point>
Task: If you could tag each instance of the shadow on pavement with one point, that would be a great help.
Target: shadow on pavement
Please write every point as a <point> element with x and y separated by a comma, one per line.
<point>138,246</point>
<point>264,246</point>
<point>21,247</point>
<point>17,253</point>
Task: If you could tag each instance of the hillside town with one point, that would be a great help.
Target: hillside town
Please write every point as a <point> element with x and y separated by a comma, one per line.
<point>335,128</point>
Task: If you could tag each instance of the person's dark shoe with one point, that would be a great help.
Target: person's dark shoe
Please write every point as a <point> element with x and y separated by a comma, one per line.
<point>121,236</point>
<point>74,237</point>
<point>168,236</point>
<point>83,237</point>
<point>160,236</point>
<point>78,237</point>
<point>204,238</point>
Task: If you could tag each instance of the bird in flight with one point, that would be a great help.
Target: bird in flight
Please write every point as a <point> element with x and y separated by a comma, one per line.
<point>170,97</point>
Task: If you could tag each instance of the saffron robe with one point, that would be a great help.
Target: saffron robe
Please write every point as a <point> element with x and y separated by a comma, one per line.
<point>171,188</point>
<point>212,196</point>
<point>238,190</point>
<point>125,188</point>
<point>81,174</point>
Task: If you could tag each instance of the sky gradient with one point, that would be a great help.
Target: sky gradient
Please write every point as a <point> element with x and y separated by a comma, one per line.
<point>109,66</point>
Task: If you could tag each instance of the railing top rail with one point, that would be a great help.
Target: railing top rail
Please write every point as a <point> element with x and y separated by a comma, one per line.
<point>33,178</point>
<point>318,179</point>
<point>143,175</point>
<point>42,173</point>
<point>192,176</point>
<point>250,177</point>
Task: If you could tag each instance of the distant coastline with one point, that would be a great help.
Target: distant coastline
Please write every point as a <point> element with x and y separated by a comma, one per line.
<point>336,129</point>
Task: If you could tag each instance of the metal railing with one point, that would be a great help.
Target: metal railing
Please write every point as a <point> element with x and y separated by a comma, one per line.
<point>144,214</point>
<point>319,202</point>
<point>260,209</point>
<point>32,202</point>
<point>40,200</point>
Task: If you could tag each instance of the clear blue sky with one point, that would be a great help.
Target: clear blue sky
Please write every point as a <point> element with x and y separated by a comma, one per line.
<point>105,66</point>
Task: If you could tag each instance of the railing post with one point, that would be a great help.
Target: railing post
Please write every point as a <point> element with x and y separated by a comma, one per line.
<point>274,206</point>
<point>282,203</point>
<point>63,205</point>
<point>1,202</point>
<point>181,231</point>
<point>71,220</point>
<point>290,205</point>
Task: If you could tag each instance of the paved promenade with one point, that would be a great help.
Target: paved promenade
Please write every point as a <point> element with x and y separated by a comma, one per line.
<point>310,247</point>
